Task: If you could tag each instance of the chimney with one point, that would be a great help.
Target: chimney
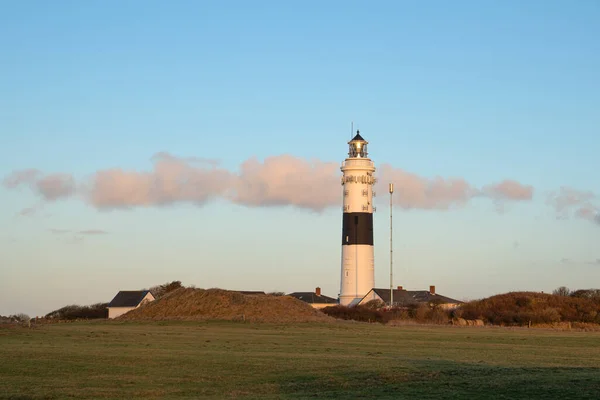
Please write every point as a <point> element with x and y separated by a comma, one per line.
<point>399,287</point>
<point>432,289</point>
<point>318,291</point>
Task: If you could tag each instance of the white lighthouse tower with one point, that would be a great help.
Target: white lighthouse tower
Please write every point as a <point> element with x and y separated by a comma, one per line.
<point>358,263</point>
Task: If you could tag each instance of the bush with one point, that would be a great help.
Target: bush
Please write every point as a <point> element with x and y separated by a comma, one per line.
<point>21,317</point>
<point>375,311</point>
<point>357,313</point>
<point>561,291</point>
<point>70,312</point>
<point>439,316</point>
<point>420,312</point>
<point>374,304</point>
<point>522,308</point>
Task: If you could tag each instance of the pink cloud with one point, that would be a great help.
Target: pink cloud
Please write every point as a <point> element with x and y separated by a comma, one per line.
<point>172,180</point>
<point>50,187</point>
<point>413,191</point>
<point>21,177</point>
<point>589,212</point>
<point>55,186</point>
<point>566,197</point>
<point>283,180</point>
<point>288,180</point>
<point>580,203</point>
<point>509,190</point>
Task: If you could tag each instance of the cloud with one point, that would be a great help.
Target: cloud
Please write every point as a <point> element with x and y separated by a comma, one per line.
<point>172,180</point>
<point>589,212</point>
<point>283,180</point>
<point>414,191</point>
<point>445,193</point>
<point>582,204</point>
<point>93,232</point>
<point>55,186</point>
<point>509,190</point>
<point>50,187</point>
<point>567,197</point>
<point>287,180</point>
<point>21,177</point>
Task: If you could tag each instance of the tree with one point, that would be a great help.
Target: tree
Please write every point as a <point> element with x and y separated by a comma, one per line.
<point>562,291</point>
<point>22,317</point>
<point>586,293</point>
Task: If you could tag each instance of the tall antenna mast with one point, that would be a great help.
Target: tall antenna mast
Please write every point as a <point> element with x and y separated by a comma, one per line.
<point>351,130</point>
<point>391,250</point>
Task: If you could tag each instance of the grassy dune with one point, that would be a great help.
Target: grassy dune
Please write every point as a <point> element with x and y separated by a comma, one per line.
<point>264,361</point>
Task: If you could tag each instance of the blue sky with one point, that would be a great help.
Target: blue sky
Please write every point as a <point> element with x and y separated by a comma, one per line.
<point>473,91</point>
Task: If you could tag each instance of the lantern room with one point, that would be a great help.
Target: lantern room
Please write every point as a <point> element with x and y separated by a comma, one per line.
<point>358,147</point>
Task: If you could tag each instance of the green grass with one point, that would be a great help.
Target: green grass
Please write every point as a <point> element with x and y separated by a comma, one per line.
<point>345,360</point>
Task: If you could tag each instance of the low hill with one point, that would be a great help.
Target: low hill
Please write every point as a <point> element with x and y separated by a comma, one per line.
<point>218,304</point>
<point>520,308</point>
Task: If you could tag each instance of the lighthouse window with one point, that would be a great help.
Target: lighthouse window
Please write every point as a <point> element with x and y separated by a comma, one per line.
<point>358,149</point>
<point>346,272</point>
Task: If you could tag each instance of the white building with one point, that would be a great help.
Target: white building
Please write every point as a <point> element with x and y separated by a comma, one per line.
<point>127,300</point>
<point>358,263</point>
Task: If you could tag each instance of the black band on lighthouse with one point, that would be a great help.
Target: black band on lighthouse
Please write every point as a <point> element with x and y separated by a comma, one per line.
<point>357,228</point>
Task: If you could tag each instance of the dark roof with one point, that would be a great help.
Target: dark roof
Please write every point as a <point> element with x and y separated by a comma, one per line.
<point>358,137</point>
<point>405,297</point>
<point>312,298</point>
<point>250,292</point>
<point>128,298</point>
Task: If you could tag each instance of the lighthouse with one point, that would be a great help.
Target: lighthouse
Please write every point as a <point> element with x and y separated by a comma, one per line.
<point>358,263</point>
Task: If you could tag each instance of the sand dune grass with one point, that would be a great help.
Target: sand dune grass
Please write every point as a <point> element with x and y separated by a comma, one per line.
<point>218,304</point>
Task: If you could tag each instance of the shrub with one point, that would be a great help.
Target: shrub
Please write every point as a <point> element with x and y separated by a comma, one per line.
<point>374,304</point>
<point>375,311</point>
<point>521,308</point>
<point>439,316</point>
<point>70,312</point>
<point>357,313</point>
<point>21,317</point>
<point>561,291</point>
<point>419,312</point>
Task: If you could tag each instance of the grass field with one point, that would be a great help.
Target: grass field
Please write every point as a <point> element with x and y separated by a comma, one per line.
<point>341,360</point>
